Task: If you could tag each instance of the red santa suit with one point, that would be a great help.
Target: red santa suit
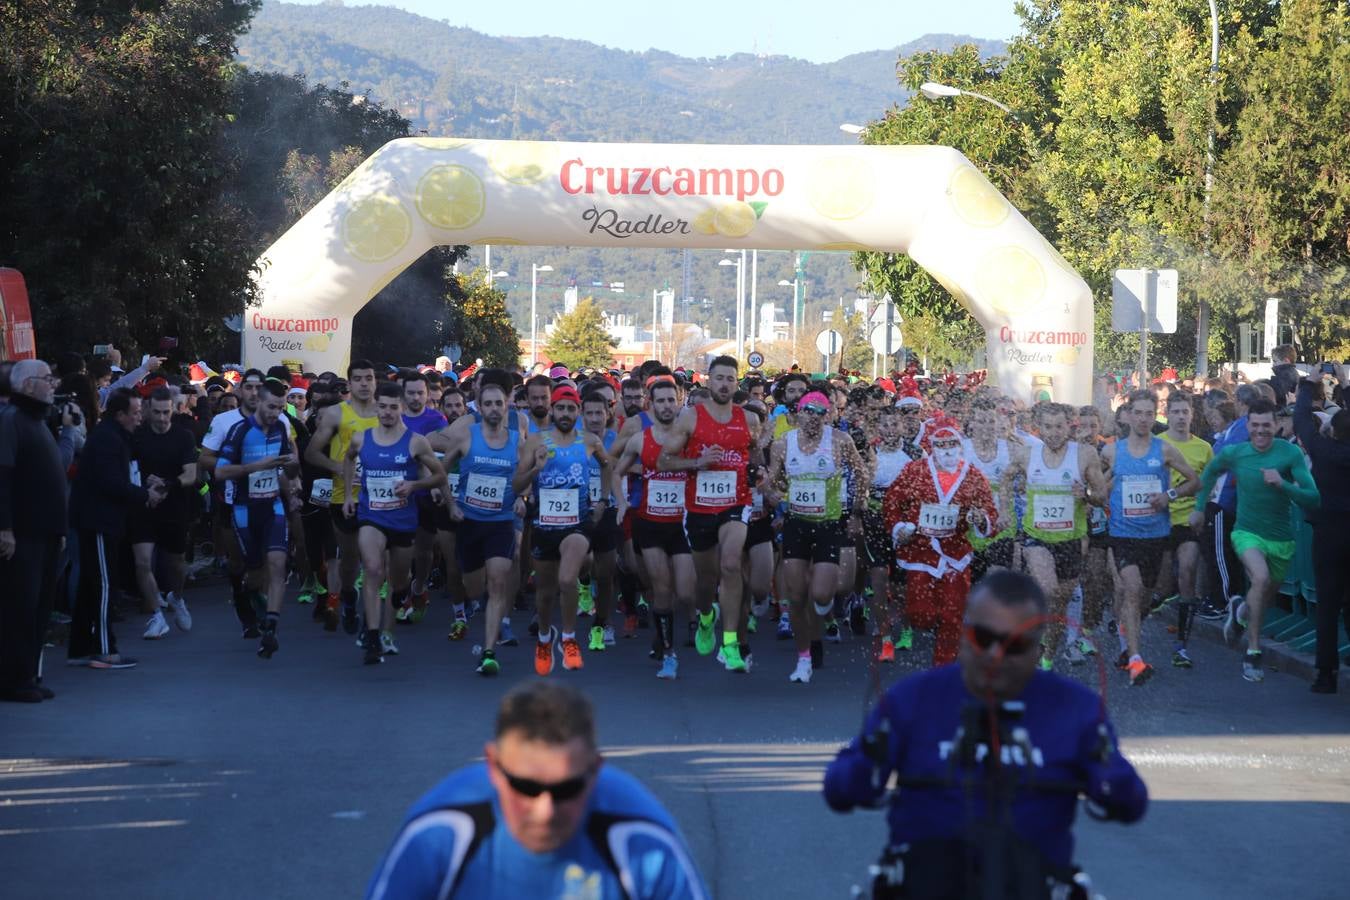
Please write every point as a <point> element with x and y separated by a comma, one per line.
<point>933,504</point>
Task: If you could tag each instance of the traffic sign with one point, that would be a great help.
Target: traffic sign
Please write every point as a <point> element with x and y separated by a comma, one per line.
<point>755,359</point>
<point>885,313</point>
<point>886,339</point>
<point>1144,295</point>
<point>829,341</point>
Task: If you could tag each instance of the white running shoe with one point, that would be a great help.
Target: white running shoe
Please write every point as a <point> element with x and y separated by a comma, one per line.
<point>609,636</point>
<point>1073,653</point>
<point>157,627</point>
<point>801,674</point>
<point>387,645</point>
<point>181,617</point>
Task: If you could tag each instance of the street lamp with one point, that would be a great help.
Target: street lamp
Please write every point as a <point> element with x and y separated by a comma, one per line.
<point>492,275</point>
<point>794,285</point>
<point>728,318</point>
<point>934,91</point>
<point>740,294</point>
<point>534,311</point>
<point>849,128</point>
<point>1202,311</point>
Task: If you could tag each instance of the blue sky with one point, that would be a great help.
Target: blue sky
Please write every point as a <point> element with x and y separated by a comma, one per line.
<point>818,30</point>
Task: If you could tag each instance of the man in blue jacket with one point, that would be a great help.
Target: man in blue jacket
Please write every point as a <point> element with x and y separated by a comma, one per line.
<point>107,487</point>
<point>541,817</point>
<point>936,731</point>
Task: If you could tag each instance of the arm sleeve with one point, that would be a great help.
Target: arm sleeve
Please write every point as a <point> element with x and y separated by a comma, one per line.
<point>659,864</point>
<point>1303,491</point>
<point>66,445</point>
<point>857,777</point>
<point>110,473</point>
<point>418,865</point>
<point>1217,466</point>
<point>129,380</point>
<point>1113,784</point>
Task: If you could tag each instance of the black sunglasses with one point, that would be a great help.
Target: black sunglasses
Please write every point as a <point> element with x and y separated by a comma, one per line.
<point>1013,644</point>
<point>560,791</point>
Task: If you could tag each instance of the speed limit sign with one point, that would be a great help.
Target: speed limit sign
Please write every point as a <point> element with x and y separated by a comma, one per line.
<point>755,359</point>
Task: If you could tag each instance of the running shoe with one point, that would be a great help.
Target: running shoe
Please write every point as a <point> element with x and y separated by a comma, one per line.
<point>267,645</point>
<point>597,639</point>
<point>112,661</point>
<point>746,655</point>
<point>387,645</point>
<point>730,656</point>
<point>308,591</point>
<point>609,636</point>
<point>644,613</point>
<point>705,639</point>
<point>801,674</point>
<point>1181,659</point>
<point>543,656</point>
<point>157,627</point>
<point>670,668</point>
<point>761,608</point>
<point>420,603</point>
<point>330,618</point>
<point>887,654</point>
<point>784,628</point>
<point>857,616</point>
<point>1251,666</point>
<point>1123,661</point>
<point>571,654</point>
<point>1074,653</point>
<point>630,625</point>
<point>182,619</point>
<point>1140,672</point>
<point>349,622</point>
<point>488,665</point>
<point>752,624</point>
<point>251,632</point>
<point>458,629</point>
<point>1232,626</point>
<point>906,641</point>
<point>1047,664</point>
<point>370,642</point>
<point>832,632</point>
<point>404,615</point>
<point>506,637</point>
<point>1086,647</point>
<point>1211,611</point>
<point>585,602</point>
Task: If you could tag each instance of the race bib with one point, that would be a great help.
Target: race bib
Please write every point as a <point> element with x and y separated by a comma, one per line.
<point>559,506</point>
<point>263,485</point>
<point>757,510</point>
<point>1097,521</point>
<point>380,493</point>
<point>485,492</point>
<point>595,489</point>
<point>452,479</point>
<point>715,488</point>
<point>938,519</point>
<point>321,493</point>
<point>1135,493</point>
<point>1052,511</point>
<point>665,498</point>
<point>806,497</point>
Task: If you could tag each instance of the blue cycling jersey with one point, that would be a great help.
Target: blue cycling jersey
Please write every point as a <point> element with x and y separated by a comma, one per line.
<point>248,442</point>
<point>454,843</point>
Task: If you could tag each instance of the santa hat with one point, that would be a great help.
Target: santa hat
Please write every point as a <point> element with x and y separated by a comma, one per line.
<point>886,385</point>
<point>909,393</point>
<point>199,371</point>
<point>941,427</point>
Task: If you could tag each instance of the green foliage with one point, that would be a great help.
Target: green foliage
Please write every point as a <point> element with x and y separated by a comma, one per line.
<point>486,331</point>
<point>580,338</point>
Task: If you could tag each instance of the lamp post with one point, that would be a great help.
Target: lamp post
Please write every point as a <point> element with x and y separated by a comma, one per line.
<point>850,128</point>
<point>1202,307</point>
<point>738,263</point>
<point>934,91</point>
<point>534,311</point>
<point>792,284</point>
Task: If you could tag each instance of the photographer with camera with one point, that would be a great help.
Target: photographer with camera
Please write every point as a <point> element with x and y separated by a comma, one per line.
<point>32,526</point>
<point>989,756</point>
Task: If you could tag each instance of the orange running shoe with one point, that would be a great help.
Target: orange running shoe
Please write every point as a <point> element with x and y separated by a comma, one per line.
<point>887,651</point>
<point>543,658</point>
<point>571,654</point>
<point>1140,672</point>
<point>630,625</point>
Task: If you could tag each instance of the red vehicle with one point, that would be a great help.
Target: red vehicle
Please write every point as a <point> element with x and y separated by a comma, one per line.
<point>16,322</point>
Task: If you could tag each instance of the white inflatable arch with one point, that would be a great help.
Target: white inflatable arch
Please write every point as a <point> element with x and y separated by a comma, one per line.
<point>928,202</point>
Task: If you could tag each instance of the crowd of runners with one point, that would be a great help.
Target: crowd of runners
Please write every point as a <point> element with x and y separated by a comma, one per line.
<point>708,512</point>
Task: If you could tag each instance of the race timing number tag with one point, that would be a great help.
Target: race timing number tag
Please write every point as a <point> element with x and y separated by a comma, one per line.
<point>321,493</point>
<point>380,493</point>
<point>595,489</point>
<point>453,480</point>
<point>938,519</point>
<point>559,506</point>
<point>1052,512</point>
<point>665,498</point>
<point>1136,491</point>
<point>806,497</point>
<point>485,492</point>
<point>263,485</point>
<point>715,488</point>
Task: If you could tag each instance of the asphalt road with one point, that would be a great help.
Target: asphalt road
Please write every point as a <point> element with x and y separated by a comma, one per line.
<point>209,773</point>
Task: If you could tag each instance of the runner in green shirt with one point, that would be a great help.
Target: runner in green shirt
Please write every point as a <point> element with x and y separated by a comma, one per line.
<point>1271,477</point>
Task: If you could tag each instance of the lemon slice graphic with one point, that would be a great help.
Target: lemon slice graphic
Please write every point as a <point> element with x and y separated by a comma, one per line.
<point>523,162</point>
<point>450,197</point>
<point>841,187</point>
<point>318,343</point>
<point>703,222</point>
<point>1010,280</point>
<point>735,219</point>
<point>376,228</point>
<point>975,199</point>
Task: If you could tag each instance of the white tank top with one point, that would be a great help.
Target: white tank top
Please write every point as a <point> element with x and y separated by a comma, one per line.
<point>992,470</point>
<point>1061,476</point>
<point>819,464</point>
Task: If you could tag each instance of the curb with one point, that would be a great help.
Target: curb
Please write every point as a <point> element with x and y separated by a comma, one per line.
<point>1277,656</point>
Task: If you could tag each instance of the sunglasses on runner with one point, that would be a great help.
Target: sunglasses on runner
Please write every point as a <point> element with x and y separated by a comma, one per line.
<point>815,410</point>
<point>1013,644</point>
<point>560,791</point>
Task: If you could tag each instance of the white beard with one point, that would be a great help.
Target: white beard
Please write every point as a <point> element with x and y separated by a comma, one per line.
<point>947,458</point>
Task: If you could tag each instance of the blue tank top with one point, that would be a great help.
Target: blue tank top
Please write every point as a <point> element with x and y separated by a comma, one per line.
<point>381,469</point>
<point>484,492</point>
<point>598,490</point>
<point>1135,481</point>
<point>563,486</point>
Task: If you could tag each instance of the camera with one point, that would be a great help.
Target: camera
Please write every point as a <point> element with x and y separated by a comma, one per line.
<point>61,403</point>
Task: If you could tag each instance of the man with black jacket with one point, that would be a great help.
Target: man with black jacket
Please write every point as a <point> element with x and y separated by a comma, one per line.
<point>107,488</point>
<point>1331,541</point>
<point>32,529</point>
<point>1285,375</point>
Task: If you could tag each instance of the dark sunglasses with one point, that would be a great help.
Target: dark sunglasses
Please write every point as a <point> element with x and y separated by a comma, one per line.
<point>909,411</point>
<point>815,410</point>
<point>1013,644</point>
<point>560,791</point>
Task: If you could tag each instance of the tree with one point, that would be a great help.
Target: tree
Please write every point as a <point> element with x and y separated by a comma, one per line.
<point>485,328</point>
<point>857,350</point>
<point>579,338</point>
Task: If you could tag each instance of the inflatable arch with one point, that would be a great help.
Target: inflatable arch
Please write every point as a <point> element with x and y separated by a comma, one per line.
<point>926,201</point>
